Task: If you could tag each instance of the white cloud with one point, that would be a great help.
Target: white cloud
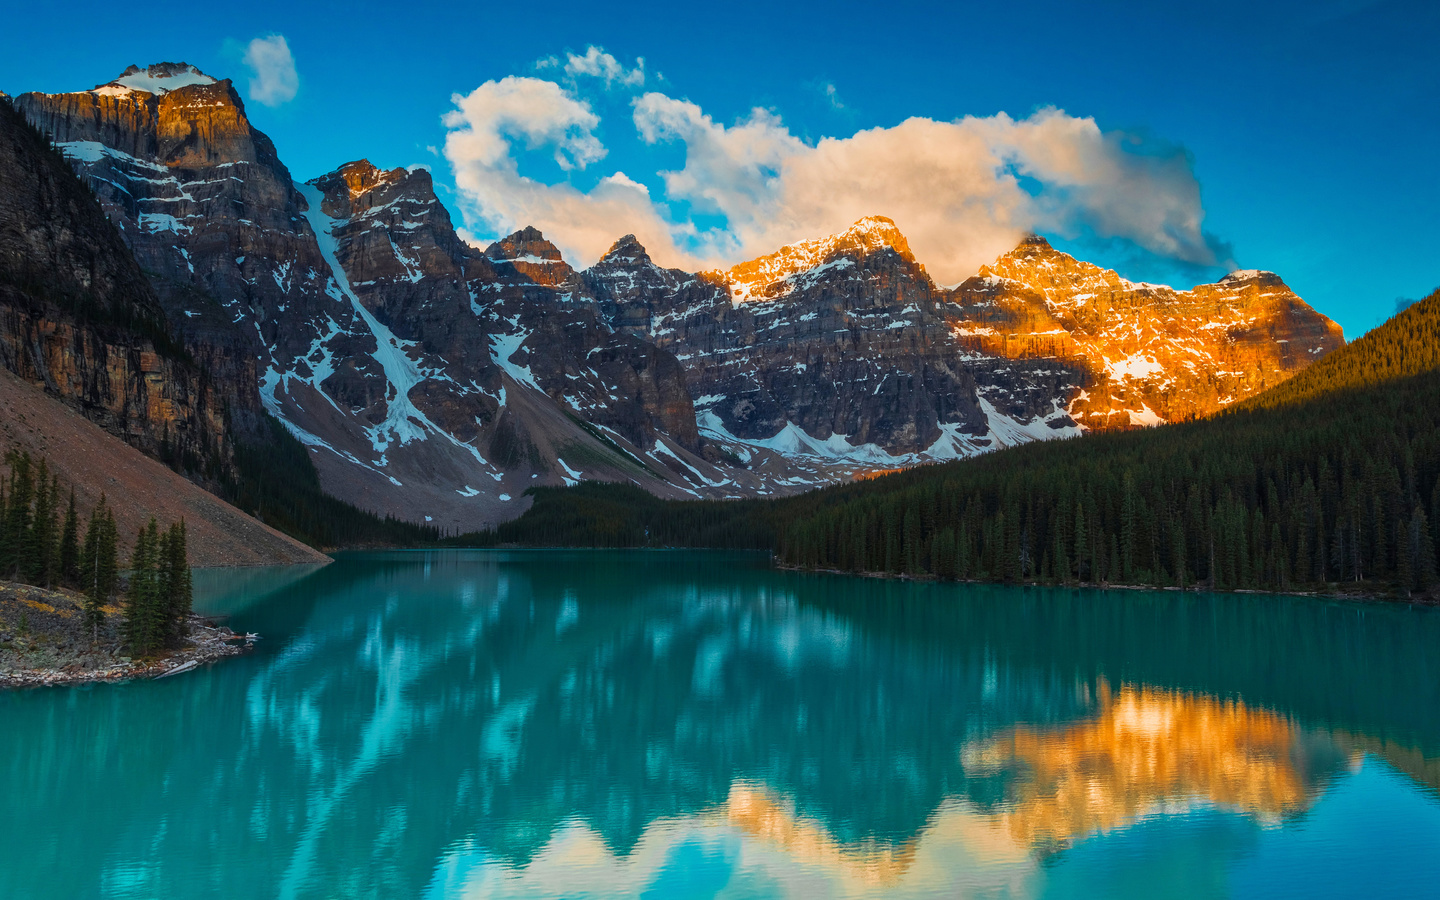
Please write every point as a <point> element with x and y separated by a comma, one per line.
<point>833,96</point>
<point>599,64</point>
<point>963,192</point>
<point>495,197</point>
<point>274,80</point>
<point>541,112</point>
<point>954,188</point>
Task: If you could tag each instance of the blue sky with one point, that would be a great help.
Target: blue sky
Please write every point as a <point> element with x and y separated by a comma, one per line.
<point>1309,128</point>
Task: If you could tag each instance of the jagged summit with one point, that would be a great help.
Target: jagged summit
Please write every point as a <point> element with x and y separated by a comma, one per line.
<point>360,176</point>
<point>1242,275</point>
<point>875,232</point>
<point>1154,353</point>
<point>1056,274</point>
<point>527,244</point>
<point>870,234</point>
<point>527,254</point>
<point>628,251</point>
<point>161,78</point>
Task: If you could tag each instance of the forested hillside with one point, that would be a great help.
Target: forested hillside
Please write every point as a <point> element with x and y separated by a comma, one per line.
<point>1332,477</point>
<point>1408,344</point>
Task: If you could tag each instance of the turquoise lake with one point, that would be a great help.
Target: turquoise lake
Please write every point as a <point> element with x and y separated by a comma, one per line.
<point>665,724</point>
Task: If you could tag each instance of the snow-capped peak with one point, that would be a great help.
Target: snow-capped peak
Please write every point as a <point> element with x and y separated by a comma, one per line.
<point>526,244</point>
<point>160,78</point>
<point>1246,274</point>
<point>868,235</point>
<point>627,251</point>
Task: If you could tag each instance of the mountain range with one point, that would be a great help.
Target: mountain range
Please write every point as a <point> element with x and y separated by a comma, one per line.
<point>432,380</point>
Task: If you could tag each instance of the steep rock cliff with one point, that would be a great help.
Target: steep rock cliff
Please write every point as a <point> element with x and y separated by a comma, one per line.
<point>1149,353</point>
<point>79,317</point>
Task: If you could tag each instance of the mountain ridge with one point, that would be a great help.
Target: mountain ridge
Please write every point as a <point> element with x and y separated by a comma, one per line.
<point>349,308</point>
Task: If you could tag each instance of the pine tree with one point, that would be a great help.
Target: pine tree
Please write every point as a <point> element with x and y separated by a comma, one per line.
<point>180,592</point>
<point>1425,569</point>
<point>98,565</point>
<point>1127,527</point>
<point>44,529</point>
<point>69,550</point>
<point>1417,558</point>
<point>144,623</point>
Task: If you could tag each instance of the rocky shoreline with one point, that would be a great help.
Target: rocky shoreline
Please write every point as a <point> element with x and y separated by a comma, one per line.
<point>44,641</point>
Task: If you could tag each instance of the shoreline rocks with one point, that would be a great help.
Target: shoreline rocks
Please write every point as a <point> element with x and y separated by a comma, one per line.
<point>44,641</point>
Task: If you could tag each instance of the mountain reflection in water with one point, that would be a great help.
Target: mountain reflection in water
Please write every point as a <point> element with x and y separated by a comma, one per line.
<point>686,724</point>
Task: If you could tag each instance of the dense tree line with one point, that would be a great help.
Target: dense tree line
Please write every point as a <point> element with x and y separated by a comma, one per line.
<point>158,597</point>
<point>42,547</point>
<point>1337,490</point>
<point>597,514</point>
<point>1332,477</point>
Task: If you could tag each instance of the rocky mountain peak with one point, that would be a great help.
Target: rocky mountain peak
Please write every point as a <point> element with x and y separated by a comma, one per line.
<point>528,254</point>
<point>868,235</point>
<point>1056,275</point>
<point>871,234</point>
<point>527,242</point>
<point>362,175</point>
<point>1151,353</point>
<point>1243,276</point>
<point>1034,250</point>
<point>160,78</point>
<point>628,251</point>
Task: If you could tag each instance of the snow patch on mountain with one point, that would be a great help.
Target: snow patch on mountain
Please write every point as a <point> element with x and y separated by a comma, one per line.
<point>504,346</point>
<point>159,79</point>
<point>803,264</point>
<point>404,422</point>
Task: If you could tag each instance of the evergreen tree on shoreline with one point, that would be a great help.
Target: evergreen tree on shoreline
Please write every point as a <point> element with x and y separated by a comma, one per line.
<point>159,594</point>
<point>144,626</point>
<point>68,553</point>
<point>99,567</point>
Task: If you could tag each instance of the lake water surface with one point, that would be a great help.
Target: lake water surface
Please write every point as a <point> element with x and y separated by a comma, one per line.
<point>651,724</point>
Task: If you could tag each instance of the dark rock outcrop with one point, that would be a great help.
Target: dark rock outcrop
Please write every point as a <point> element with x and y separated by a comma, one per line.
<point>79,317</point>
<point>840,337</point>
<point>210,213</point>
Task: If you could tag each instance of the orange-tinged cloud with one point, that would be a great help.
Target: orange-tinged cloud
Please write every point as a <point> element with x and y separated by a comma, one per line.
<point>962,191</point>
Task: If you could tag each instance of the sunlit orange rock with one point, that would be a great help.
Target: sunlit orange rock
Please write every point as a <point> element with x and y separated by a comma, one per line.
<point>1146,752</point>
<point>761,814</point>
<point>1151,353</point>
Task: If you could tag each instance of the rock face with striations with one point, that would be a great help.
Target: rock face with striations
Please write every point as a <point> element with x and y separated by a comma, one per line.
<point>835,347</point>
<point>429,379</point>
<point>1150,353</point>
<point>209,211</point>
<point>432,379</point>
<point>79,317</point>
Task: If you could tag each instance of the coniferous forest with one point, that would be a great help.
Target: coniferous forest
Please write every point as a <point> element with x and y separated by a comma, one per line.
<point>41,546</point>
<point>1331,479</point>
